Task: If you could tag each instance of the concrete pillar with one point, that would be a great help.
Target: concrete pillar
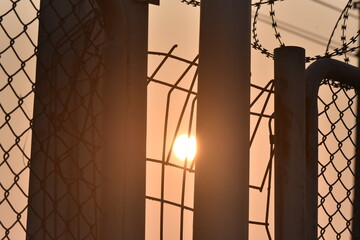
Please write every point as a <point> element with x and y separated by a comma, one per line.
<point>223,113</point>
<point>290,135</point>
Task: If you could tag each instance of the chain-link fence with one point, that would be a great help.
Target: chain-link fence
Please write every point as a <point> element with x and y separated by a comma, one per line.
<point>338,184</point>
<point>51,109</point>
<point>337,177</point>
<point>50,126</point>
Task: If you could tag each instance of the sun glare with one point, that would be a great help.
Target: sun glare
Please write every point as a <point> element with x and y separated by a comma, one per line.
<point>185,147</point>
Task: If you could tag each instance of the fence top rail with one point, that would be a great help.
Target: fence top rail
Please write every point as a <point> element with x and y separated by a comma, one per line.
<point>327,68</point>
<point>347,76</point>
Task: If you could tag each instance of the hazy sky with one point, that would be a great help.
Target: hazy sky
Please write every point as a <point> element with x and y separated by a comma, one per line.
<point>304,23</point>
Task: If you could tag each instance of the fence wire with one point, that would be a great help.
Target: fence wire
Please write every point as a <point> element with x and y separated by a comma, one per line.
<point>50,127</point>
<point>348,44</point>
<point>338,184</point>
<point>344,48</point>
<point>49,123</point>
<point>338,209</point>
<point>170,180</point>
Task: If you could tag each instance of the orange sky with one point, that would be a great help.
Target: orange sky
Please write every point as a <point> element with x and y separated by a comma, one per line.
<point>174,22</point>
<point>304,23</point>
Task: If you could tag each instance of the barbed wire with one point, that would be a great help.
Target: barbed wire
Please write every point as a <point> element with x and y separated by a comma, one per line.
<point>256,43</point>
<point>344,15</point>
<point>195,3</point>
<point>343,50</point>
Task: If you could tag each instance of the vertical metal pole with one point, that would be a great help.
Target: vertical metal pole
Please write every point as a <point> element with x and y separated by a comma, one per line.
<point>356,207</point>
<point>321,69</point>
<point>290,155</point>
<point>222,163</point>
<point>53,198</point>
<point>123,167</point>
<point>124,163</point>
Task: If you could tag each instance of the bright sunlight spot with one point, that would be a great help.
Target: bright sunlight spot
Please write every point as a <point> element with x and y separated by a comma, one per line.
<point>185,147</point>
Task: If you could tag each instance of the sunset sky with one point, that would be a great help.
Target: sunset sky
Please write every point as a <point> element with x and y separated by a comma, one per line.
<point>305,23</point>
<point>308,24</point>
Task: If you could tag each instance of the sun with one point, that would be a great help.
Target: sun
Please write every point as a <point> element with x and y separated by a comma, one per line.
<point>185,147</point>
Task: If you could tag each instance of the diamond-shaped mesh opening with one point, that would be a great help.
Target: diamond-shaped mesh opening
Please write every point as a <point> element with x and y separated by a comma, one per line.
<point>337,204</point>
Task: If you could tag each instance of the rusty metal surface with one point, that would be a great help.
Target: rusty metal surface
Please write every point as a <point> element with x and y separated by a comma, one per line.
<point>289,143</point>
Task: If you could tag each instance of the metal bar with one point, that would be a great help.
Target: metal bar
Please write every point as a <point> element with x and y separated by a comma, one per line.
<point>54,201</point>
<point>152,76</point>
<point>261,115</point>
<point>223,116</point>
<point>290,143</point>
<point>356,209</point>
<point>124,162</point>
<point>317,71</point>
<point>272,153</point>
<point>155,2</point>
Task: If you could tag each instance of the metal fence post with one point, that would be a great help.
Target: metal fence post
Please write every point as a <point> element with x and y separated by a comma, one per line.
<point>315,73</point>
<point>125,94</point>
<point>54,201</point>
<point>222,164</point>
<point>290,178</point>
<point>121,193</point>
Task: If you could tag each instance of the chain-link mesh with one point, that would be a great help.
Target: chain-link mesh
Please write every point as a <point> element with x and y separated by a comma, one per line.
<point>50,125</point>
<point>66,122</point>
<point>338,208</point>
<point>63,107</point>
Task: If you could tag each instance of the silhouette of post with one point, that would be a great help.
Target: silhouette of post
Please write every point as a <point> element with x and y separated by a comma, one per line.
<point>290,152</point>
<point>57,198</point>
<point>124,163</point>
<point>222,163</point>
